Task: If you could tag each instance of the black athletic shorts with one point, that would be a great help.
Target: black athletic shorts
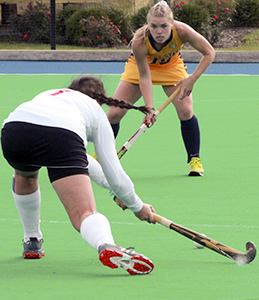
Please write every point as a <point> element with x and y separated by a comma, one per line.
<point>28,147</point>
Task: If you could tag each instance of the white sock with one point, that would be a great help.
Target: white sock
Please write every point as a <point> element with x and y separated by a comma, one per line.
<point>28,207</point>
<point>96,230</point>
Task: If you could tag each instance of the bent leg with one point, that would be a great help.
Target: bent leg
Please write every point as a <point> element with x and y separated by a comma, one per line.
<point>27,197</point>
<point>25,183</point>
<point>184,108</point>
<point>189,124</point>
<point>76,194</point>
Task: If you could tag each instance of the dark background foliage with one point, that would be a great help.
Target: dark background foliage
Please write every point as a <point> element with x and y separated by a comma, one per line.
<point>111,26</point>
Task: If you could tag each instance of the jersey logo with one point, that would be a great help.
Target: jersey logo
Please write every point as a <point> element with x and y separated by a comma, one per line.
<point>60,92</point>
<point>161,60</point>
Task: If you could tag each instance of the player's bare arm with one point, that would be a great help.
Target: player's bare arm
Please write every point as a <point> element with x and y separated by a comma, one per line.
<point>197,41</point>
<point>145,82</point>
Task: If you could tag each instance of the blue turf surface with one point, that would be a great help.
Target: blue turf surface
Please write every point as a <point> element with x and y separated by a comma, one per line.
<point>68,67</point>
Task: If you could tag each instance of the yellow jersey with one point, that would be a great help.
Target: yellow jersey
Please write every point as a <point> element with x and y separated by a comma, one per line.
<point>166,65</point>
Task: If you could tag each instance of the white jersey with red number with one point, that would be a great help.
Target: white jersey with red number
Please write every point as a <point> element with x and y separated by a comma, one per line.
<point>74,111</point>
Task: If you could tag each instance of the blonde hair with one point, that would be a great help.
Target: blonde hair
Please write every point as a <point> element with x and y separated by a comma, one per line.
<point>161,9</point>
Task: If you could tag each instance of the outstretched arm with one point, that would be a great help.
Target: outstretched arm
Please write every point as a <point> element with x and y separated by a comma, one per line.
<point>118,180</point>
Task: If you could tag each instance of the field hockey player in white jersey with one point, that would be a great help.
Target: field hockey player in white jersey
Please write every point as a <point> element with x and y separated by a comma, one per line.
<point>53,130</point>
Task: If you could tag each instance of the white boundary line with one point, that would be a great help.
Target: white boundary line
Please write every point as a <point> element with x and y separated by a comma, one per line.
<point>146,224</point>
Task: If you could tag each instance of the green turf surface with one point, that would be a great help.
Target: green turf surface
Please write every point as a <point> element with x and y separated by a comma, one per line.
<point>223,204</point>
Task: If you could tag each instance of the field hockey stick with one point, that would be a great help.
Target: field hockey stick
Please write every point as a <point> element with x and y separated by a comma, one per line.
<point>143,127</point>
<point>239,257</point>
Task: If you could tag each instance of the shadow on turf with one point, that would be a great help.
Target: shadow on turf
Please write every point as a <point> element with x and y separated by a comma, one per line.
<point>16,266</point>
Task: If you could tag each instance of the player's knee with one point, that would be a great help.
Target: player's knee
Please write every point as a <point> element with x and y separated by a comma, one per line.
<point>115,115</point>
<point>27,174</point>
<point>185,114</point>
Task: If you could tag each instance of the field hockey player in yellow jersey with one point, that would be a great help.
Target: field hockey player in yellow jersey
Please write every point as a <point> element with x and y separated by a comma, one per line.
<point>156,59</point>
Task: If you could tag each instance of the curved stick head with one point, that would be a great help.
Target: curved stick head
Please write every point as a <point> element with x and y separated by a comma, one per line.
<point>249,256</point>
<point>250,252</point>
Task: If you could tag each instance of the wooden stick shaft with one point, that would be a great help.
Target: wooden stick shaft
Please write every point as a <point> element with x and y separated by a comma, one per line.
<point>143,127</point>
<point>201,239</point>
<point>168,101</point>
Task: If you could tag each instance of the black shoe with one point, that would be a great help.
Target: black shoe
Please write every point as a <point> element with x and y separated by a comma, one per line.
<point>32,249</point>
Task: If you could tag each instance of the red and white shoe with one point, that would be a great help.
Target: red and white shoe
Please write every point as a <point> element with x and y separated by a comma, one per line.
<point>32,249</point>
<point>115,256</point>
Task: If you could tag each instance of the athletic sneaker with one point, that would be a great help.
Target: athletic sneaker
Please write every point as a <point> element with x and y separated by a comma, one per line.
<point>32,249</point>
<point>195,167</point>
<point>115,256</point>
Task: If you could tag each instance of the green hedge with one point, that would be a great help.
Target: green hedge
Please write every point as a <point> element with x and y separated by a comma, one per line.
<point>192,14</point>
<point>94,26</point>
<point>246,13</point>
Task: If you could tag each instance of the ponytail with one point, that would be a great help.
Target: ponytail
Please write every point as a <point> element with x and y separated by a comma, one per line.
<point>93,87</point>
<point>102,99</point>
